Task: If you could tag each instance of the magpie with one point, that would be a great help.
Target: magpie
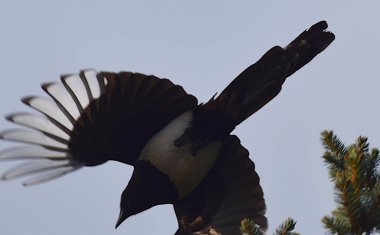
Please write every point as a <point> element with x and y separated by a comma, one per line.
<point>182,152</point>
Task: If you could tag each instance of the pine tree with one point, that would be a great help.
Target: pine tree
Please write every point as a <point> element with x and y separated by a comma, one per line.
<point>355,173</point>
<point>354,170</point>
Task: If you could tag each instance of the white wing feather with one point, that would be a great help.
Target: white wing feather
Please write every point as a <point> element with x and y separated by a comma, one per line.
<point>49,132</point>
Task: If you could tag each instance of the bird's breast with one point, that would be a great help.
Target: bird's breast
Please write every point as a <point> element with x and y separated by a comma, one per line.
<point>185,170</point>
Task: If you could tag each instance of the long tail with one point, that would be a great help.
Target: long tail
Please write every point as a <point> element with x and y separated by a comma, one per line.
<point>262,81</point>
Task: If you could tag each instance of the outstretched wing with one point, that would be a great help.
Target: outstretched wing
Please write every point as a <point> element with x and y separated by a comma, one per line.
<point>230,193</point>
<point>255,86</point>
<point>261,82</point>
<point>91,118</point>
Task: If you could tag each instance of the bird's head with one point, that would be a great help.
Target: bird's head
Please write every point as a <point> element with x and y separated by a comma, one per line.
<point>148,187</point>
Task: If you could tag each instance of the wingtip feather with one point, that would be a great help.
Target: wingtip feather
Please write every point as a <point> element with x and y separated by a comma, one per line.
<point>320,26</point>
<point>45,86</point>
<point>26,99</point>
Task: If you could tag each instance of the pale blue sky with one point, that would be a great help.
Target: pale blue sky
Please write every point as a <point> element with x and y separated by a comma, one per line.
<point>201,46</point>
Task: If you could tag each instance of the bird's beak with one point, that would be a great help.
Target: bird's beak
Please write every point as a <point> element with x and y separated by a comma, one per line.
<point>122,216</point>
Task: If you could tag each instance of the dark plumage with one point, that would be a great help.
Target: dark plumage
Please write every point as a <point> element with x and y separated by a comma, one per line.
<point>182,152</point>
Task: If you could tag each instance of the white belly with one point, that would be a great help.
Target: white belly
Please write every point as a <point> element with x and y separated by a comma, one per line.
<point>185,170</point>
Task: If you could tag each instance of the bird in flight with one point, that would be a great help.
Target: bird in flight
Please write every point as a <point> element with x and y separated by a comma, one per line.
<point>182,152</point>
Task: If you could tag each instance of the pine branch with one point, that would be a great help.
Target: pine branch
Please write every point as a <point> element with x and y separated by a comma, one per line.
<point>335,150</point>
<point>354,171</point>
<point>336,225</point>
<point>248,227</point>
<point>286,228</point>
<point>332,144</point>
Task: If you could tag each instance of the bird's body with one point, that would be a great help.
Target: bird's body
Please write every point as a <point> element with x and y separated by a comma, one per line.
<point>183,152</point>
<point>185,170</point>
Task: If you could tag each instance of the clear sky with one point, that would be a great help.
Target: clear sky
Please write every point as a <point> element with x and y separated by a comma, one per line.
<point>201,45</point>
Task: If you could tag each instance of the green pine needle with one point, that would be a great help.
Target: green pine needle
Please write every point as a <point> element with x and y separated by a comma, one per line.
<point>286,228</point>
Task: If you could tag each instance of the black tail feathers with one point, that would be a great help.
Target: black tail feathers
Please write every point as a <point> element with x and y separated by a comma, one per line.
<point>262,81</point>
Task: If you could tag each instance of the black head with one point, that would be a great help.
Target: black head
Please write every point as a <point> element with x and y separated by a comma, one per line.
<point>148,187</point>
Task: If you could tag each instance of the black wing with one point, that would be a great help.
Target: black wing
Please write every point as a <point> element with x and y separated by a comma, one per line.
<point>230,193</point>
<point>91,118</point>
<point>261,82</point>
<point>254,87</point>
